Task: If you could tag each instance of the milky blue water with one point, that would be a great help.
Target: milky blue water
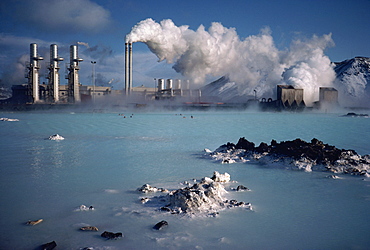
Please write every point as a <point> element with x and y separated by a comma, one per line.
<point>105,158</point>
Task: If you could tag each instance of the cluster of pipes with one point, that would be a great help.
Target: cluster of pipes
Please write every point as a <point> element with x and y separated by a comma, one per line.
<point>171,87</point>
<point>33,74</point>
<point>165,88</point>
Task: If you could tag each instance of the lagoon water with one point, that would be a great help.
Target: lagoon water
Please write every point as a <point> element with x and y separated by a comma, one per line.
<point>106,157</point>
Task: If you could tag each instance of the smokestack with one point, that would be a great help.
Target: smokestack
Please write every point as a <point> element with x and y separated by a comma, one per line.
<point>73,78</point>
<point>54,73</point>
<point>128,68</point>
<point>130,65</point>
<point>33,72</point>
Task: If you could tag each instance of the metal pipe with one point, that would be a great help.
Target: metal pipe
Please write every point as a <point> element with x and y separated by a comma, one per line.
<point>130,68</point>
<point>33,76</point>
<point>54,78</point>
<point>126,69</point>
<point>93,78</point>
<point>73,78</point>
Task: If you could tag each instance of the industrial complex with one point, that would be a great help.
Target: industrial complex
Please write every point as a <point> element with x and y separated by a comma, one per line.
<point>33,93</point>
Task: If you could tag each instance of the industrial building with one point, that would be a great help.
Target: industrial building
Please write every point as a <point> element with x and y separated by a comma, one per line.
<point>287,97</point>
<point>328,98</point>
<point>328,95</point>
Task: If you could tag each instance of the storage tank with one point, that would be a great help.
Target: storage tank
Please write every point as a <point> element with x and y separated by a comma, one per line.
<point>160,84</point>
<point>177,84</point>
<point>169,84</point>
<point>187,84</point>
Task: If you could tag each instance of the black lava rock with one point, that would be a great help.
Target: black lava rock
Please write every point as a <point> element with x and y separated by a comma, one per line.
<point>49,246</point>
<point>111,236</point>
<point>160,225</point>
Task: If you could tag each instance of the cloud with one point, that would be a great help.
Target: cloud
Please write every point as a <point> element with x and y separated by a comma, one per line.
<point>64,15</point>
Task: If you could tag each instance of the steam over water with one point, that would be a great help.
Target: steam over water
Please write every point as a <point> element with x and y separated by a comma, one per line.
<point>104,158</point>
<point>253,62</point>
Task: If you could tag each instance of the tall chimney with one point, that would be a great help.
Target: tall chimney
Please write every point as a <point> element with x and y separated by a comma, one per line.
<point>128,68</point>
<point>73,78</point>
<point>54,78</point>
<point>33,72</point>
<point>130,65</point>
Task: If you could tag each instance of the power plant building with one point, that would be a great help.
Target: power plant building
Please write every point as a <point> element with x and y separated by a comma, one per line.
<point>289,97</point>
<point>328,95</point>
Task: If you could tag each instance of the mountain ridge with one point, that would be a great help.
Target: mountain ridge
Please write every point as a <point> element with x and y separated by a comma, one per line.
<point>352,82</point>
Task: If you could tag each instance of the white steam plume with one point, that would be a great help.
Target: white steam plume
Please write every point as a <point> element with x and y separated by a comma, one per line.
<point>84,44</point>
<point>254,63</point>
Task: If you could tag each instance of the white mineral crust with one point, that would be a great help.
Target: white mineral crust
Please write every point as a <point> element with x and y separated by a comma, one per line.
<point>56,137</point>
<point>205,197</point>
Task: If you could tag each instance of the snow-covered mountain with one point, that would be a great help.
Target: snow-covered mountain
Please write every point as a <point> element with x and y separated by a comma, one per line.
<point>223,90</point>
<point>352,82</point>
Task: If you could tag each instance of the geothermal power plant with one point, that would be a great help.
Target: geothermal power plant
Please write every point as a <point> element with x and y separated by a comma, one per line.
<point>165,89</point>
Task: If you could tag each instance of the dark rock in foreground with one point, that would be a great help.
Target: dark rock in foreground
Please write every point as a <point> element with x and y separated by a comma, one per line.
<point>160,225</point>
<point>314,155</point>
<point>111,236</point>
<point>89,228</point>
<point>49,246</point>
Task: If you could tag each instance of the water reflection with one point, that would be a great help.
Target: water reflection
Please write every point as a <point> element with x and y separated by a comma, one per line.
<point>46,157</point>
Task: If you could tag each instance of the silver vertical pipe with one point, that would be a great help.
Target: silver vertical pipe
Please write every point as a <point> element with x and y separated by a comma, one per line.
<point>130,68</point>
<point>54,78</point>
<point>34,72</point>
<point>73,78</point>
<point>126,69</point>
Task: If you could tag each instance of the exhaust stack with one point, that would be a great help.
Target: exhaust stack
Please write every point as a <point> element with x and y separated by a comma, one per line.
<point>128,68</point>
<point>73,78</point>
<point>33,72</point>
<point>54,78</point>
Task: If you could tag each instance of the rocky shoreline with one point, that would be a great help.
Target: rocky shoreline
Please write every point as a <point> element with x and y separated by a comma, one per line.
<point>295,154</point>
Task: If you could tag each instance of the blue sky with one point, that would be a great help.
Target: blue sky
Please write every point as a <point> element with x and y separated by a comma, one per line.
<point>103,25</point>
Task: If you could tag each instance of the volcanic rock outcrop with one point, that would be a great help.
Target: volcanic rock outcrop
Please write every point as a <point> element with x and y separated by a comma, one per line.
<point>299,154</point>
<point>203,197</point>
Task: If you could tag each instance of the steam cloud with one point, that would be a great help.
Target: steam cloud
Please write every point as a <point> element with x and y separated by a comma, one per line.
<point>254,63</point>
